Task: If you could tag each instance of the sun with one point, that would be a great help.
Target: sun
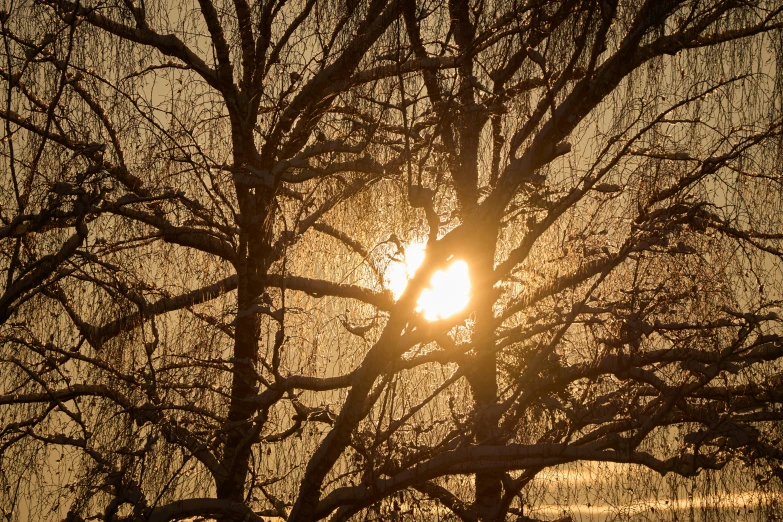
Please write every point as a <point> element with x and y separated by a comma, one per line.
<point>449,290</point>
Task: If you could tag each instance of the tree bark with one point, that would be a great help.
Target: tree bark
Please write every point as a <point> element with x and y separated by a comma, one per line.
<point>483,383</point>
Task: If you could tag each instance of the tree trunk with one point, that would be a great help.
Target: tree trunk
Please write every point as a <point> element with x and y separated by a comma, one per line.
<point>483,384</point>
<point>254,258</point>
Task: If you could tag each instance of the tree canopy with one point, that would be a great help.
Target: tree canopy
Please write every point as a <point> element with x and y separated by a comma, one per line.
<point>388,259</point>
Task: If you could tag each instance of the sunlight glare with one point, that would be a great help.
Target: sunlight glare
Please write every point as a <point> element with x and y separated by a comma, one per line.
<point>449,290</point>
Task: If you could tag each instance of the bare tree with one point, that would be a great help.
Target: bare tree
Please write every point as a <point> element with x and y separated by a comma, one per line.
<point>210,306</point>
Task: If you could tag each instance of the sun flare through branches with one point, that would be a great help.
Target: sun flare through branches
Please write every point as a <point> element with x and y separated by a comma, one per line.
<point>322,260</point>
<point>449,290</point>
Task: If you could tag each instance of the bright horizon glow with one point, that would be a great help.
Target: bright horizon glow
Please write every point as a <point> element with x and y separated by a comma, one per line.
<point>449,290</point>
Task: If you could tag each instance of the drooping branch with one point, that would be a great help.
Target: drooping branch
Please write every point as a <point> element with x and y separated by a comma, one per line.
<point>36,274</point>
